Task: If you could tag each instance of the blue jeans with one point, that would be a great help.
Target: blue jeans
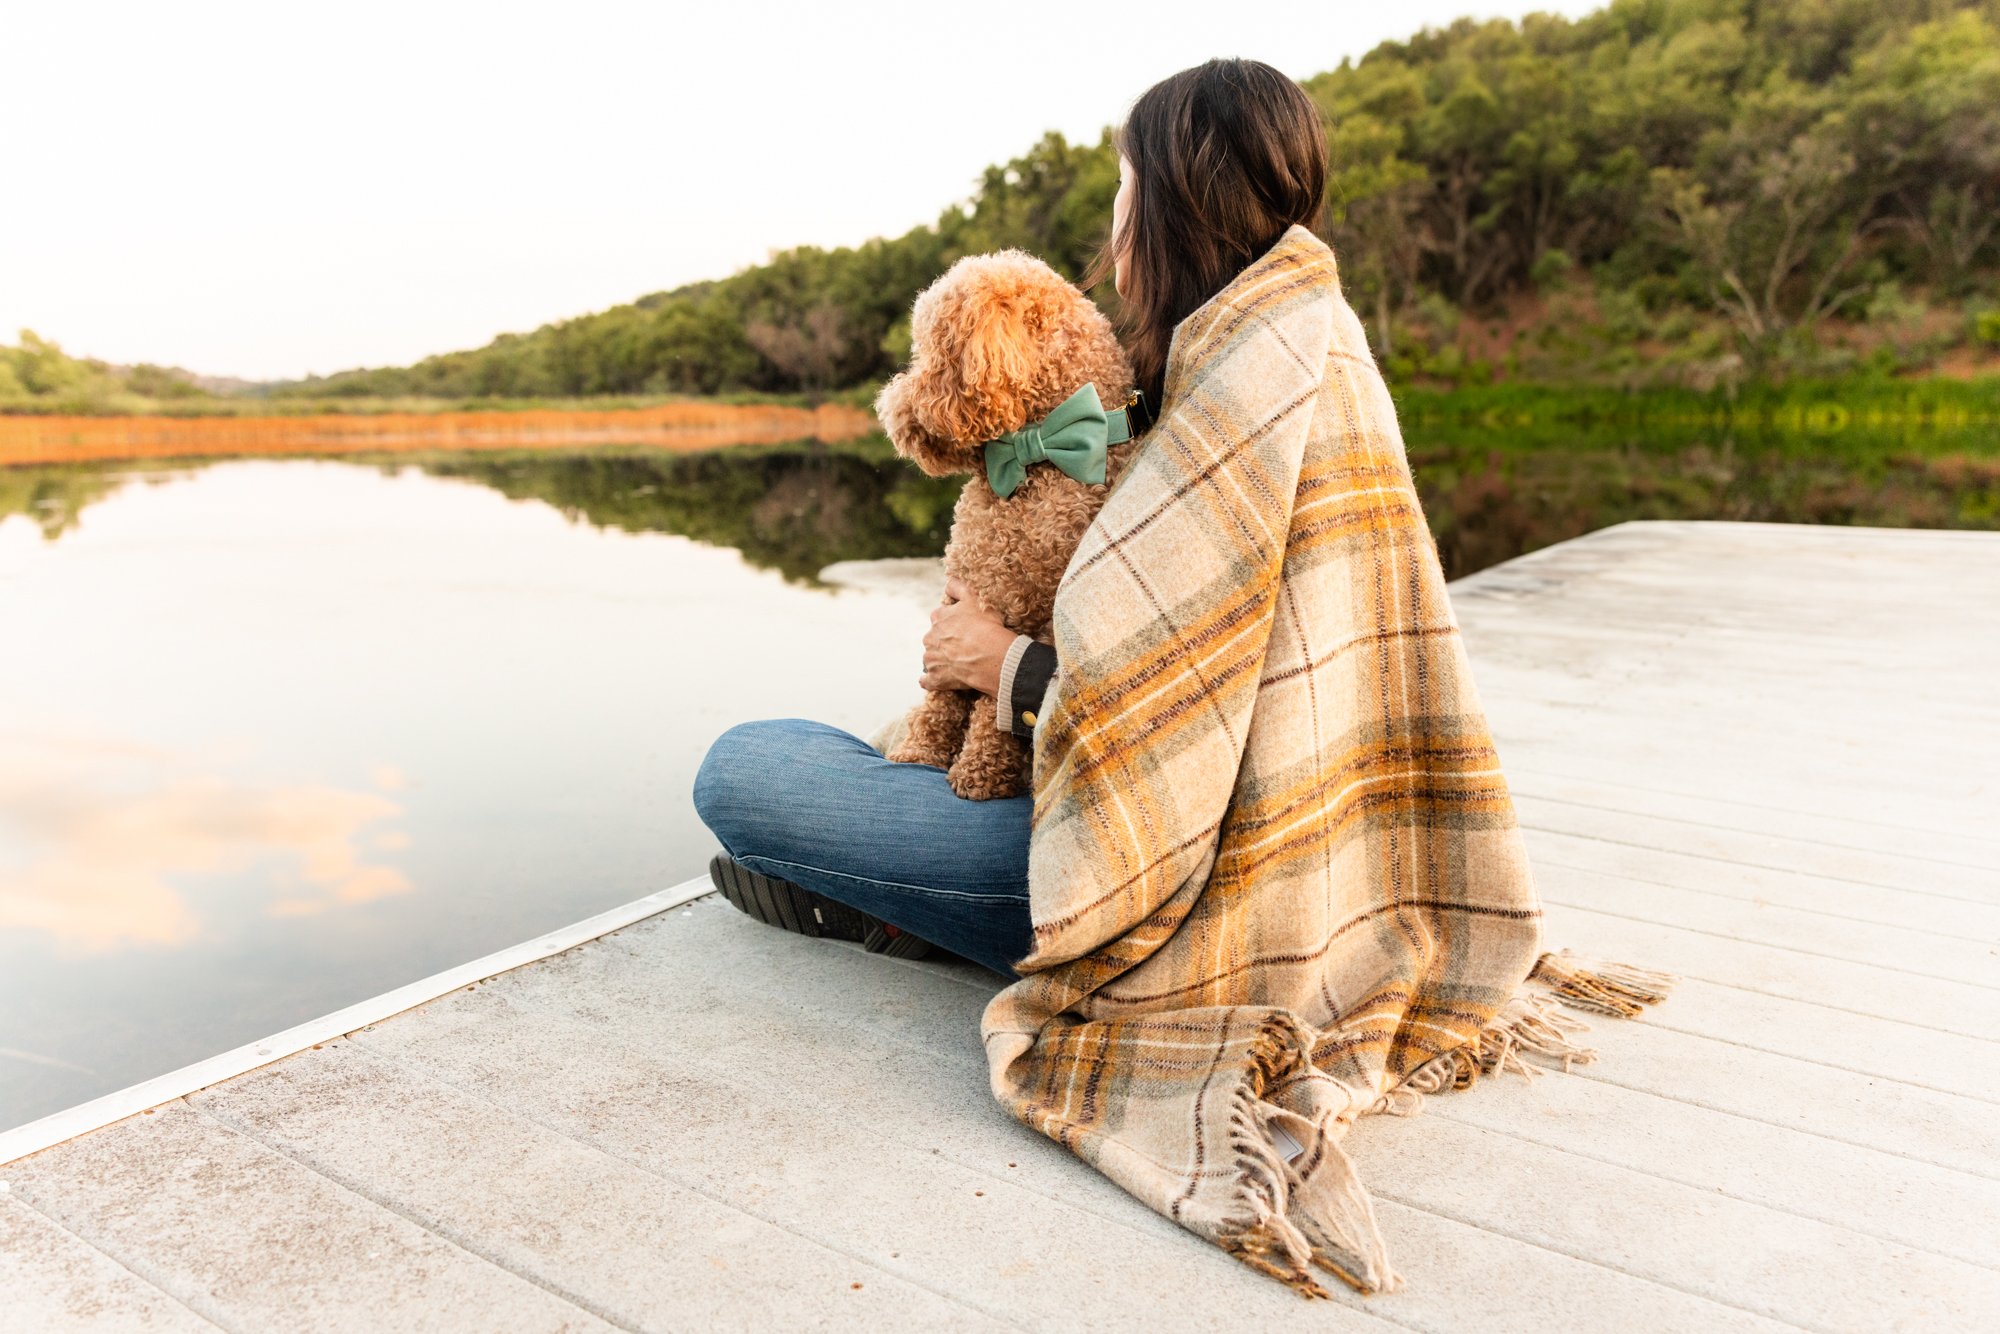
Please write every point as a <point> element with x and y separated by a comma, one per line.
<point>818,806</point>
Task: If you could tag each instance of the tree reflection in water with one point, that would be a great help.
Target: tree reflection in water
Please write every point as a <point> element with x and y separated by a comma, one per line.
<point>795,509</point>
<point>1489,493</point>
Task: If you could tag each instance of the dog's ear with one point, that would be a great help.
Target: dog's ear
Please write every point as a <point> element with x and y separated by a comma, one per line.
<point>907,407</point>
<point>998,355</point>
<point>1000,325</point>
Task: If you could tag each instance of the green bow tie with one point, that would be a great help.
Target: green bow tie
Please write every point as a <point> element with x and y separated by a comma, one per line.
<point>1073,437</point>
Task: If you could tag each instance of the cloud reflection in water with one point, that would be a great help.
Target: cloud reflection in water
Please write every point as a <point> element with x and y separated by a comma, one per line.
<point>104,853</point>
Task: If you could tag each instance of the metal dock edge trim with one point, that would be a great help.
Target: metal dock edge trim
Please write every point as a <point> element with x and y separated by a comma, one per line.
<point>98,1112</point>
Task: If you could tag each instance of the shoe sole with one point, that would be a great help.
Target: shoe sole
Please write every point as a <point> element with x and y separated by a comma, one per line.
<point>781,903</point>
<point>897,944</point>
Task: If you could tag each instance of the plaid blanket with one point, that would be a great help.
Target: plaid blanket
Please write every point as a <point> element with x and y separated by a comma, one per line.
<point>1275,873</point>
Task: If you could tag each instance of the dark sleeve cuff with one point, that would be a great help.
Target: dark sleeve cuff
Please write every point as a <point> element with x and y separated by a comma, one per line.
<point>1029,683</point>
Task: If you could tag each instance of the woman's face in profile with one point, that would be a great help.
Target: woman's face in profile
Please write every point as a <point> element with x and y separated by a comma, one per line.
<point>1121,208</point>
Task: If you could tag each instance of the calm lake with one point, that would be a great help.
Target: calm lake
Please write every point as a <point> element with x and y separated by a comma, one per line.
<point>276,737</point>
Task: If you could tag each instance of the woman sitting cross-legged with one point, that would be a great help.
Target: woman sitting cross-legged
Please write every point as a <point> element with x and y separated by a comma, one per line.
<point>1268,878</point>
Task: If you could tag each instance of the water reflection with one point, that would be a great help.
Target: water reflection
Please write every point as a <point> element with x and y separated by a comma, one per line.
<point>100,834</point>
<point>1490,490</point>
<point>278,736</point>
<point>793,510</point>
<point>1491,493</point>
<point>53,498</point>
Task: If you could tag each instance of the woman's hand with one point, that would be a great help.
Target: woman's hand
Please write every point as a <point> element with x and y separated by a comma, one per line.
<point>966,643</point>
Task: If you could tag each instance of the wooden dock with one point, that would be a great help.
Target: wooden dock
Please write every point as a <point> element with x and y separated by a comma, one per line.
<point>1764,756</point>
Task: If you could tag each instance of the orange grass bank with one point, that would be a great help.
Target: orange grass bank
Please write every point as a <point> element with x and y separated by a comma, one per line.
<point>676,426</point>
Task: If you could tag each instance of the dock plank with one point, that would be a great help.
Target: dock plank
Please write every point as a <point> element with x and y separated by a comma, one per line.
<point>1924,954</point>
<point>1825,769</point>
<point>1790,1268</point>
<point>639,1251</point>
<point>1935,1209</point>
<point>53,1280</point>
<point>1801,1030</point>
<point>1658,755</point>
<point>1778,969</point>
<point>1727,850</point>
<point>1950,916</point>
<point>1924,1125</point>
<point>1764,814</point>
<point>249,1239</point>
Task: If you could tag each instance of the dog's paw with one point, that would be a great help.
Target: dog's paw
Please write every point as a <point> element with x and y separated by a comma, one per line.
<point>972,789</point>
<point>982,787</point>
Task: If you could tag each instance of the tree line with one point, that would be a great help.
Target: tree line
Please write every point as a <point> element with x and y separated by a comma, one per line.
<point>1774,162</point>
<point>1719,179</point>
<point>36,372</point>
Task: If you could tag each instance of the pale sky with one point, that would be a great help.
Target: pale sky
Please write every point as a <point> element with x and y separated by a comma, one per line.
<point>276,189</point>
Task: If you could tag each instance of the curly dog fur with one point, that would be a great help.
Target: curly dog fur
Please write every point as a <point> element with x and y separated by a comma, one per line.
<point>998,341</point>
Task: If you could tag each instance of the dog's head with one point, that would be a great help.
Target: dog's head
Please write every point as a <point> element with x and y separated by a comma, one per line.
<point>998,341</point>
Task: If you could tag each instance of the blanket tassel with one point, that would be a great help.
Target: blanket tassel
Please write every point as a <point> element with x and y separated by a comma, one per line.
<point>1608,988</point>
<point>1328,1221</point>
<point>1527,1025</point>
<point>1297,1222</point>
<point>1531,1024</point>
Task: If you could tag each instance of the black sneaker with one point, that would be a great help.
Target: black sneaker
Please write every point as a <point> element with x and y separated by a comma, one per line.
<point>795,908</point>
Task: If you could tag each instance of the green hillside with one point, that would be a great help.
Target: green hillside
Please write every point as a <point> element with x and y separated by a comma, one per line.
<point>1664,193</point>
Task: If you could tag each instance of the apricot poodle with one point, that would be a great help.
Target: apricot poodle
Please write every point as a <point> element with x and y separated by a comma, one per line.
<point>998,342</point>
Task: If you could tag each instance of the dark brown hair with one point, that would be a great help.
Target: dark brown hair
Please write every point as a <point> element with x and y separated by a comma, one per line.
<point>1225,156</point>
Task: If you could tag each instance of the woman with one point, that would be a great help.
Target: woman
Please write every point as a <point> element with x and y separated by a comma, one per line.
<point>821,833</point>
<point>1278,881</point>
